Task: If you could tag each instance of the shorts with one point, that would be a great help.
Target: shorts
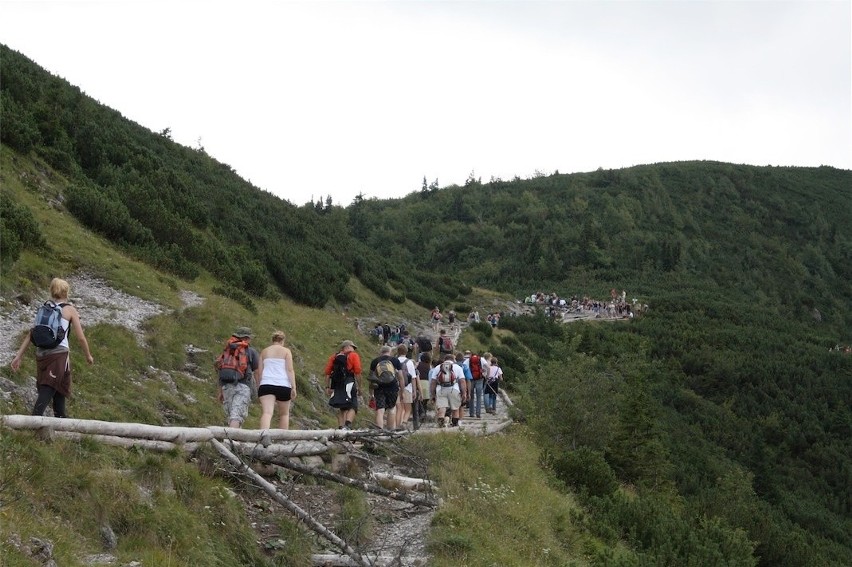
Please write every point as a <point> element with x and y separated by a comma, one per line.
<point>447,396</point>
<point>386,397</point>
<point>237,398</point>
<point>407,397</point>
<point>281,393</point>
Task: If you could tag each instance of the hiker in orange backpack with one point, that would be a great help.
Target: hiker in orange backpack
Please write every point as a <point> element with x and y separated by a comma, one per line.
<point>236,366</point>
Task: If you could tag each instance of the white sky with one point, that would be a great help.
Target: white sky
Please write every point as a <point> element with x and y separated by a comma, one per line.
<point>309,99</point>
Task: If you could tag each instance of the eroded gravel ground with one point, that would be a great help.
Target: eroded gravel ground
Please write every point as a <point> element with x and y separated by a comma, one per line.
<point>97,303</point>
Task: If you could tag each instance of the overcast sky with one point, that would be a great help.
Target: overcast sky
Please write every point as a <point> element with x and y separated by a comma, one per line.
<point>310,99</point>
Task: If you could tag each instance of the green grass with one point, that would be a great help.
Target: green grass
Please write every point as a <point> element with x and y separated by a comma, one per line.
<point>500,507</point>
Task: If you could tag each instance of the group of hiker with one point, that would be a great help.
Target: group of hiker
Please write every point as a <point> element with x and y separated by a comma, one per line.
<point>617,307</point>
<point>402,382</point>
<point>402,379</point>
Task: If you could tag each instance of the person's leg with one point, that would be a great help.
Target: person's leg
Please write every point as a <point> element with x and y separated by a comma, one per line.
<point>45,394</point>
<point>478,391</point>
<point>237,399</point>
<point>284,415</point>
<point>380,418</point>
<point>59,405</point>
<point>267,405</point>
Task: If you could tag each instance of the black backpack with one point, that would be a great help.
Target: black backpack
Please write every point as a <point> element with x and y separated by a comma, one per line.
<point>47,331</point>
<point>340,375</point>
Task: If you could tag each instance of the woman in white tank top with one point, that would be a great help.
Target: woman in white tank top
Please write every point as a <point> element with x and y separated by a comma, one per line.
<point>276,381</point>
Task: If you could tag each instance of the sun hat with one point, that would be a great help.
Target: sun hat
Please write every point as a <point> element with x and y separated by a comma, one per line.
<point>347,343</point>
<point>243,333</point>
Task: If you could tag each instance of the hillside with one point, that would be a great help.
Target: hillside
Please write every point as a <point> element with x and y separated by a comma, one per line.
<point>715,428</point>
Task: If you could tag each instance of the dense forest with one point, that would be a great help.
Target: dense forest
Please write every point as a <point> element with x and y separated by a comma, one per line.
<point>714,429</point>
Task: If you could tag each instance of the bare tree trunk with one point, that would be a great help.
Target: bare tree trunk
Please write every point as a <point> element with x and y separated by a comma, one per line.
<point>416,499</point>
<point>185,434</point>
<point>270,489</point>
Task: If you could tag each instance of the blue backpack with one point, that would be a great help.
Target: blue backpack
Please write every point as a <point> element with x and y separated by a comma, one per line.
<point>47,331</point>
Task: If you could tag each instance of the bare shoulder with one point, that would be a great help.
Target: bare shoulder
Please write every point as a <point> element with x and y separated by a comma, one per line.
<point>69,312</point>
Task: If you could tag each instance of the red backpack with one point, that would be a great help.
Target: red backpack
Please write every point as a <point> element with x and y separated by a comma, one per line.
<point>232,364</point>
<point>446,376</point>
<point>475,366</point>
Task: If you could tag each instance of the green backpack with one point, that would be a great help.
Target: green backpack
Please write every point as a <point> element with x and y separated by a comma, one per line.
<point>385,372</point>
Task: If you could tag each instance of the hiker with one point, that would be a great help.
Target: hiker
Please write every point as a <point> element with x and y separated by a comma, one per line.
<point>53,365</point>
<point>424,366</point>
<point>423,345</point>
<point>476,367</point>
<point>444,345</point>
<point>436,318</point>
<point>447,388</point>
<point>492,386</point>
<point>410,392</point>
<point>276,381</point>
<point>451,318</point>
<point>343,382</point>
<point>385,395</point>
<point>459,360</point>
<point>234,388</point>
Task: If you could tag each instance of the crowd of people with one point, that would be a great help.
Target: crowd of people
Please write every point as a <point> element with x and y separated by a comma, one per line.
<point>415,377</point>
<point>616,307</point>
<point>405,376</point>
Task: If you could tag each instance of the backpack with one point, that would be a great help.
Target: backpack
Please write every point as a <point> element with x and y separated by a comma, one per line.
<point>47,331</point>
<point>475,366</point>
<point>445,345</point>
<point>385,372</point>
<point>233,363</point>
<point>446,376</point>
<point>340,375</point>
<point>405,373</point>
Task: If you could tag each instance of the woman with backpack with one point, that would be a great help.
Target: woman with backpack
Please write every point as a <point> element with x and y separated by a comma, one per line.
<point>53,362</point>
<point>276,382</point>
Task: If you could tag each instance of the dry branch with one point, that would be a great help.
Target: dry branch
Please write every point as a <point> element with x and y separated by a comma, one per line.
<point>333,560</point>
<point>416,499</point>
<point>270,489</point>
<point>405,481</point>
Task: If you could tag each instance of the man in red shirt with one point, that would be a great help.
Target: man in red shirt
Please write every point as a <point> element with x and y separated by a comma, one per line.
<point>343,382</point>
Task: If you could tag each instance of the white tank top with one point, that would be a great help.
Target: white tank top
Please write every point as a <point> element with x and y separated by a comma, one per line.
<point>275,373</point>
<point>66,324</point>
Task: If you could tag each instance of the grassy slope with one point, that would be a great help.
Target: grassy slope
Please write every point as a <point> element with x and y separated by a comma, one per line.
<point>167,510</point>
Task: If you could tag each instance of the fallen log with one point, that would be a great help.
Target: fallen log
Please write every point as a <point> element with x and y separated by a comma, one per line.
<point>91,426</point>
<point>175,434</point>
<point>333,560</point>
<point>128,443</point>
<point>404,481</point>
<point>416,499</point>
<point>270,489</point>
